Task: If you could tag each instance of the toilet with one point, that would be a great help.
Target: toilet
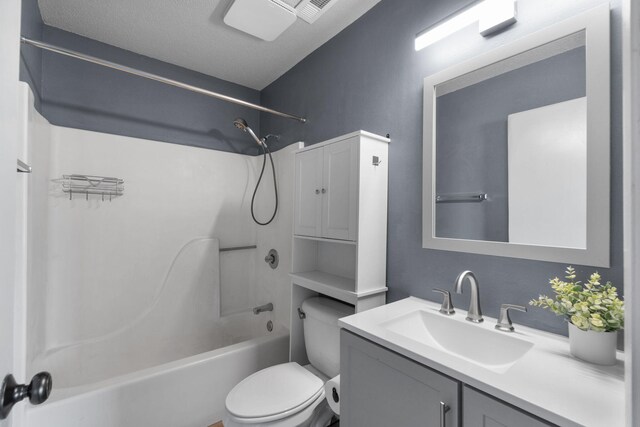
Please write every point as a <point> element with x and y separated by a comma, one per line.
<point>291,395</point>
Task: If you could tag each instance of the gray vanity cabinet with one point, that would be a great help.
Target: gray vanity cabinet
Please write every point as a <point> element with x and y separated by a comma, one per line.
<point>480,410</point>
<point>380,388</point>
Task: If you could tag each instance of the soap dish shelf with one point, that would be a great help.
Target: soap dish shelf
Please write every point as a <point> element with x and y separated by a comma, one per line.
<point>106,187</point>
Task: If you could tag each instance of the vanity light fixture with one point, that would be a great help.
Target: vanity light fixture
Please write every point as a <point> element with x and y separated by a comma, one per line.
<point>491,15</point>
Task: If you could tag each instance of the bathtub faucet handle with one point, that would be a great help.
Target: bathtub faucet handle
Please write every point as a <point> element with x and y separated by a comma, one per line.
<point>272,259</point>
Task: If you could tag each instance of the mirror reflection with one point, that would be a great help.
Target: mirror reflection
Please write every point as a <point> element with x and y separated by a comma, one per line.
<point>511,149</point>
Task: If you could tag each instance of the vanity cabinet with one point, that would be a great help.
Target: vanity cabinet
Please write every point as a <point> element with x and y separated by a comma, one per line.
<point>380,388</point>
<point>481,410</point>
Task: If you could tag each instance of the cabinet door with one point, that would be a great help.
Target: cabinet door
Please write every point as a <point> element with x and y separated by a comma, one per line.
<point>480,410</point>
<point>381,388</point>
<point>308,197</point>
<point>340,190</point>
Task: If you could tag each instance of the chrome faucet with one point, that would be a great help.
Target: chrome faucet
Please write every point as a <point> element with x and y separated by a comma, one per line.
<point>261,308</point>
<point>475,313</point>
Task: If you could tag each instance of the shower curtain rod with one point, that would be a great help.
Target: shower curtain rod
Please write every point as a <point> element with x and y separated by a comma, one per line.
<point>150,76</point>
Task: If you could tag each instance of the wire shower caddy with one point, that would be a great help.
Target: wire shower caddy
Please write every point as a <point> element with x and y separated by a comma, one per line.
<point>104,186</point>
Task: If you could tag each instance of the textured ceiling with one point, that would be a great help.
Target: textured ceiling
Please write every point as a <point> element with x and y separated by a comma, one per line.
<point>191,34</point>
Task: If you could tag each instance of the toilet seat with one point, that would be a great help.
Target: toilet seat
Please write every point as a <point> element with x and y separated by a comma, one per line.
<point>274,393</point>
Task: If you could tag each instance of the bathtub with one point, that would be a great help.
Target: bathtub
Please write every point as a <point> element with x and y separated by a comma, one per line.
<point>189,392</point>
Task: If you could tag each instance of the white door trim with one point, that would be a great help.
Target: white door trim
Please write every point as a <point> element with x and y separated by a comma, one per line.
<point>9,135</point>
<point>631,194</point>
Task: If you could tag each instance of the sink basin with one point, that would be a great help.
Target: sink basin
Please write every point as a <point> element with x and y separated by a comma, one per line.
<point>486,347</point>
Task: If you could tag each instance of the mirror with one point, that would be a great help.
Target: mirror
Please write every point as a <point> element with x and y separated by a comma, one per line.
<point>516,148</point>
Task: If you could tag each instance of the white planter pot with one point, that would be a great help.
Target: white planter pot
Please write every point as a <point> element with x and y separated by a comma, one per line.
<point>592,346</point>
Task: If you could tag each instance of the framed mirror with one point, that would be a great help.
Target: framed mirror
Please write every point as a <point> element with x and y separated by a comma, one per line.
<point>516,148</point>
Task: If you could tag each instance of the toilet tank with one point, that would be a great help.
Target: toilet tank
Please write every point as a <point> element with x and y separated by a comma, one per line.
<point>322,334</point>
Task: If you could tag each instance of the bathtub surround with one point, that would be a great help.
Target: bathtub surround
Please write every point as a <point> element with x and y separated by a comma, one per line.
<point>180,299</point>
<point>373,60</point>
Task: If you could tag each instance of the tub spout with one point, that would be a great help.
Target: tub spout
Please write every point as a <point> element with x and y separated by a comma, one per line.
<point>261,308</point>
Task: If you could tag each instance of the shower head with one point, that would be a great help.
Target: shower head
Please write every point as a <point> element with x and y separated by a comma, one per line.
<point>241,124</point>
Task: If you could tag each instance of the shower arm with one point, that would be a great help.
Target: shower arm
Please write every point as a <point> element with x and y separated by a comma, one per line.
<point>259,141</point>
<point>113,65</point>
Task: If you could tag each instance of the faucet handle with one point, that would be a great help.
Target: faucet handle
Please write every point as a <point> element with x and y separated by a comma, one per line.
<point>447,305</point>
<point>504,322</point>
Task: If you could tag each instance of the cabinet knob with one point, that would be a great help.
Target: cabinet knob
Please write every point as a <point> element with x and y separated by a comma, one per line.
<point>317,191</point>
<point>324,191</point>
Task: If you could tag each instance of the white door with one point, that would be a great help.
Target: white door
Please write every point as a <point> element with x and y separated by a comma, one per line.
<point>9,134</point>
<point>308,197</point>
<point>340,190</point>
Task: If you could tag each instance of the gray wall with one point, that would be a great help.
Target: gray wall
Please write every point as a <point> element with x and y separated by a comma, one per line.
<point>472,140</point>
<point>81,95</point>
<point>370,77</point>
<point>31,59</point>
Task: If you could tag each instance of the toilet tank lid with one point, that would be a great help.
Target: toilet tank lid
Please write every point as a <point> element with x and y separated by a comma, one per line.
<point>325,309</point>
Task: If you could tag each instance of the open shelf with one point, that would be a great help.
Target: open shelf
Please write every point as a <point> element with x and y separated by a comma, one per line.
<point>324,239</point>
<point>331,285</point>
<point>328,284</point>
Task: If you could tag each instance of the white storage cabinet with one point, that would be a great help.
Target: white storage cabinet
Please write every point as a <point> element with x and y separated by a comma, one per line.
<point>340,225</point>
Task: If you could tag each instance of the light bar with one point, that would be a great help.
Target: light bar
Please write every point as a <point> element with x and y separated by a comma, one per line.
<point>492,16</point>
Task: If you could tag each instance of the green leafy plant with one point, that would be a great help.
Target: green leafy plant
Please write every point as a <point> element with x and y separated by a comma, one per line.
<point>589,306</point>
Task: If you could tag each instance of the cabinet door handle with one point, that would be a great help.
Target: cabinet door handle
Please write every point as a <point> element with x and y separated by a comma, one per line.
<point>444,408</point>
<point>317,191</point>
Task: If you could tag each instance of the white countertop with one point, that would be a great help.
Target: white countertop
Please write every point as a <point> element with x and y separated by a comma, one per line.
<point>547,381</point>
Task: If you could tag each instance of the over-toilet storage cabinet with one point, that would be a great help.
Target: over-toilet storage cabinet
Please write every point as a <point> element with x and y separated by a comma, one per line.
<point>326,190</point>
<point>380,388</point>
<point>340,225</point>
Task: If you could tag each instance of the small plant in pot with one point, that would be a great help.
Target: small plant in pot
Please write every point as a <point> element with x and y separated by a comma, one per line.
<point>594,312</point>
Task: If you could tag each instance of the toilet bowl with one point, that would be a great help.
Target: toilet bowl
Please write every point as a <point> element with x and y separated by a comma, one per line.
<point>290,395</point>
<point>282,395</point>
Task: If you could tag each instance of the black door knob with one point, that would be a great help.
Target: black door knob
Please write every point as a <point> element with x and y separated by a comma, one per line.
<point>38,390</point>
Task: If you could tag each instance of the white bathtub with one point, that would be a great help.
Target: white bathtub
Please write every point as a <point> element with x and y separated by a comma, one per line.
<point>185,393</point>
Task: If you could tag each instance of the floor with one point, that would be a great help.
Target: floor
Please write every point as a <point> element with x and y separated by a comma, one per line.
<point>219,424</point>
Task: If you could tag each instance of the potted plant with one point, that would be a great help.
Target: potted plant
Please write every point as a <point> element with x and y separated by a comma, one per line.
<point>594,312</point>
